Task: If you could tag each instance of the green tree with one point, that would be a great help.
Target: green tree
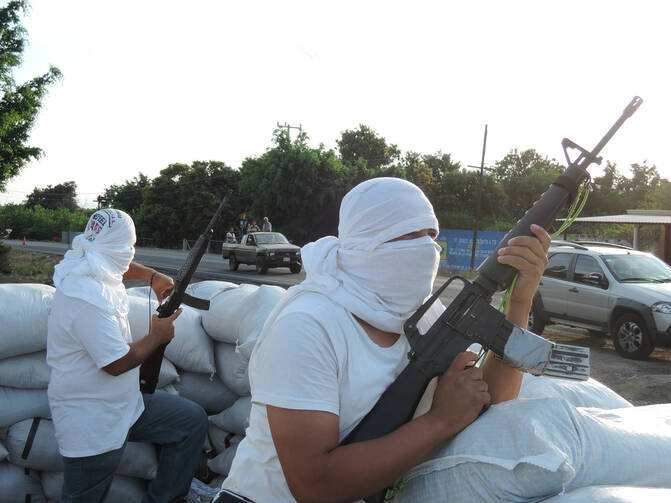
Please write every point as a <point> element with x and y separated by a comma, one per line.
<point>19,103</point>
<point>63,195</point>
<point>179,202</point>
<point>299,188</point>
<point>441,165</point>
<point>524,176</point>
<point>127,196</point>
<point>40,223</point>
<point>368,151</point>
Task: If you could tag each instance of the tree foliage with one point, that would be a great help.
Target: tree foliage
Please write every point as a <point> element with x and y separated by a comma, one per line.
<point>41,223</point>
<point>179,203</point>
<point>19,103</point>
<point>368,151</point>
<point>299,188</point>
<point>63,195</point>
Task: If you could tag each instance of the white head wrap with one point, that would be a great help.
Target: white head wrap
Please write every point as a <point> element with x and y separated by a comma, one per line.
<point>93,270</point>
<point>380,282</point>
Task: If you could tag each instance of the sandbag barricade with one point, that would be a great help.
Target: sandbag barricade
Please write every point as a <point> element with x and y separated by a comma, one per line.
<point>207,362</point>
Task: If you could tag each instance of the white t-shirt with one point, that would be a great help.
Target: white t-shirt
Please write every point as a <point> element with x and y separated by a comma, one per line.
<point>92,410</point>
<point>316,356</point>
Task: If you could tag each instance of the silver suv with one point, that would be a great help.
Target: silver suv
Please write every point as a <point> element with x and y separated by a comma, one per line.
<point>606,289</point>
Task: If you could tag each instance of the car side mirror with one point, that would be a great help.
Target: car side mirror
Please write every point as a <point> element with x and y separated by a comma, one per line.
<point>597,279</point>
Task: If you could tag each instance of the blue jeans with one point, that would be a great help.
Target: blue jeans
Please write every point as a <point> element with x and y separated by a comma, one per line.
<point>177,424</point>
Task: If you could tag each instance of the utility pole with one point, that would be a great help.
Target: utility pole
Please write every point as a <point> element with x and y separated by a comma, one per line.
<point>289,128</point>
<point>478,200</point>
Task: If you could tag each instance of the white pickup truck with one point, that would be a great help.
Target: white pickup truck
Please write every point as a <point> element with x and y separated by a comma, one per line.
<point>264,250</point>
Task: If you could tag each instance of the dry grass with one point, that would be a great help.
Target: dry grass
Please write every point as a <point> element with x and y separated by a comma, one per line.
<point>30,267</point>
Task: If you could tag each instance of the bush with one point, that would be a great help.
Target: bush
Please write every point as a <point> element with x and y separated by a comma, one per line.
<point>4,258</point>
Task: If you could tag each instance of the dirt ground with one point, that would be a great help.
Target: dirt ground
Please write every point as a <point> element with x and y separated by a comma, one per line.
<point>641,382</point>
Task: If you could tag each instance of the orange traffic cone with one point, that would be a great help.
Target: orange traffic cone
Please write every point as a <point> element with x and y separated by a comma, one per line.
<point>24,240</point>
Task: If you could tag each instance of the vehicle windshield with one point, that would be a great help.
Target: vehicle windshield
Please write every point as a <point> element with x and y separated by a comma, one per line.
<point>271,239</point>
<point>638,268</point>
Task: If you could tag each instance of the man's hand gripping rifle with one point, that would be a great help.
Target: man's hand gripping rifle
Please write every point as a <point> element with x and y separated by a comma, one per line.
<point>470,318</point>
<point>150,368</point>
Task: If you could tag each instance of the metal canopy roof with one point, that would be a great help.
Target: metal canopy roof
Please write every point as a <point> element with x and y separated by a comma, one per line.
<point>632,217</point>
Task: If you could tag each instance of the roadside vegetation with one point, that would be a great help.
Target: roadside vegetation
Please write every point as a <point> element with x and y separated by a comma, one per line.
<point>20,266</point>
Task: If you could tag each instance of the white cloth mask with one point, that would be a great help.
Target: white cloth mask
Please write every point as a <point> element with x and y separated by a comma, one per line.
<point>379,280</point>
<point>93,270</point>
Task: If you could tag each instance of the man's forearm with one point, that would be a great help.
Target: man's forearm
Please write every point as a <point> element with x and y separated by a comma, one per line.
<point>504,381</point>
<point>139,272</point>
<point>348,472</point>
<point>139,351</point>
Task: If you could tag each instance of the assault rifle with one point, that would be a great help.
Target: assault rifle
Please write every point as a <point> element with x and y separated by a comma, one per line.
<point>470,318</point>
<point>151,367</point>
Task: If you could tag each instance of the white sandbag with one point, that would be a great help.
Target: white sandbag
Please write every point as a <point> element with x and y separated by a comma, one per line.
<point>263,302</point>
<point>25,371</point>
<point>232,368</point>
<point>221,464</point>
<point>138,460</point>
<point>19,404</point>
<point>122,490</point>
<point>614,494</point>
<point>220,440</point>
<point>24,309</point>
<point>207,391</point>
<point>236,316</point>
<point>527,450</point>
<point>235,418</point>
<point>208,289</point>
<point>590,393</point>
<point>168,373</point>
<point>142,292</point>
<point>16,486</point>
<point>191,349</point>
<point>227,309</point>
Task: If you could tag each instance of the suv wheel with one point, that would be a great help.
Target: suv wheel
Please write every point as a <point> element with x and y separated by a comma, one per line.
<point>232,262</point>
<point>261,266</point>
<point>631,338</point>
<point>536,320</point>
<point>295,268</point>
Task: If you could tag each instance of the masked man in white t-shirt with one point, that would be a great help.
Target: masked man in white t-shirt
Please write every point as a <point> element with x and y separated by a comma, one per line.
<point>335,343</point>
<point>94,394</point>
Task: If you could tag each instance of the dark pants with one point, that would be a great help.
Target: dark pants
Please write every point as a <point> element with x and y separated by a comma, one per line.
<point>177,424</point>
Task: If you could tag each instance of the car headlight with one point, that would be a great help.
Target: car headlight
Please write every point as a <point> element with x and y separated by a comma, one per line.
<point>297,253</point>
<point>662,307</point>
<point>271,254</point>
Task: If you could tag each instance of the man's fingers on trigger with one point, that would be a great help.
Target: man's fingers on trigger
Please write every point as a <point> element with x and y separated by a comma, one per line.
<point>462,360</point>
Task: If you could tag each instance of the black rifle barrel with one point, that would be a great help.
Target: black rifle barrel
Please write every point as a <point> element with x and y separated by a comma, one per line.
<point>494,276</point>
<point>151,367</point>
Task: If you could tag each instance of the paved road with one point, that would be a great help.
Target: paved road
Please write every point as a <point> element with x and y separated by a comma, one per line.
<point>212,266</point>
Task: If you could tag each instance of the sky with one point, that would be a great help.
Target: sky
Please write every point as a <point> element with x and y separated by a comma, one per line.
<point>149,83</point>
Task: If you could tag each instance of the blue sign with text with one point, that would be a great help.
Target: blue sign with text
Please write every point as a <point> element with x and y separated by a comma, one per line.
<point>457,245</point>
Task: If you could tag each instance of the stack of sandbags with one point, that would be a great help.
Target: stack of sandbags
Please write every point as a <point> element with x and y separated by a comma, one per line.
<point>211,351</point>
<point>207,362</point>
<point>234,321</point>
<point>29,458</point>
